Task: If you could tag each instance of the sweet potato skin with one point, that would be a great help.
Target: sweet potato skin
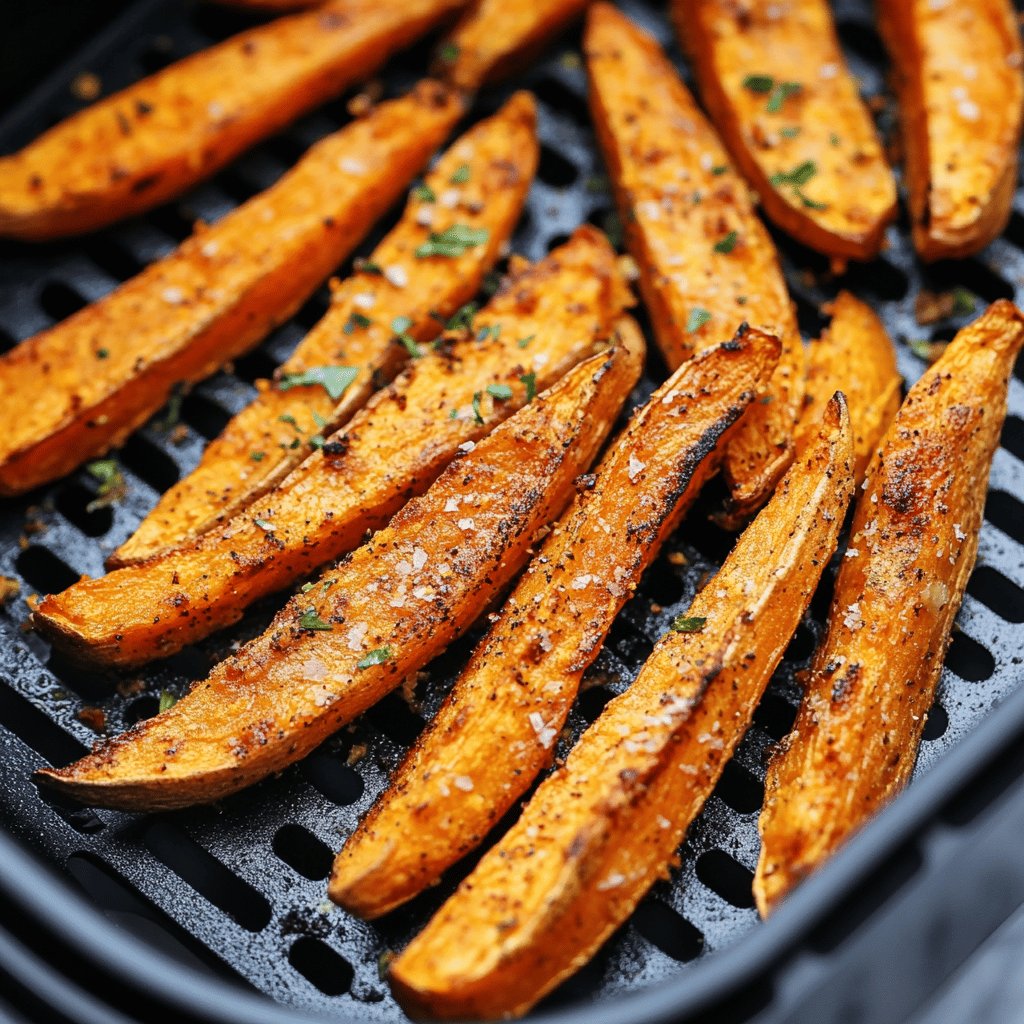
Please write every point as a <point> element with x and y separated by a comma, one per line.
<point>961,135</point>
<point>497,37</point>
<point>393,449</point>
<point>853,355</point>
<point>602,829</point>
<point>549,632</point>
<point>912,548</point>
<point>845,206</point>
<point>699,246</point>
<point>408,592</point>
<point>138,148</point>
<point>110,366</point>
<point>254,453</point>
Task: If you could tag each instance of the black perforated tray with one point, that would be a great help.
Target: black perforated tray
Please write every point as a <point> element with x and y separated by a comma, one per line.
<point>238,890</point>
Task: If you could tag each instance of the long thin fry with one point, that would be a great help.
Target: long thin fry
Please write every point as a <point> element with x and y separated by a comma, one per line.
<point>383,613</point>
<point>377,316</point>
<point>602,829</point>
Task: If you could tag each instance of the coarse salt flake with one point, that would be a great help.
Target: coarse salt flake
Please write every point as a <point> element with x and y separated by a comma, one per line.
<point>463,782</point>
<point>396,275</point>
<point>451,505</point>
<point>356,636</point>
<point>364,300</point>
<point>467,446</point>
<point>636,467</point>
<point>351,166</point>
<point>175,296</point>
<point>958,532</point>
<point>853,618</point>
<point>419,558</point>
<point>466,524</point>
<point>581,582</point>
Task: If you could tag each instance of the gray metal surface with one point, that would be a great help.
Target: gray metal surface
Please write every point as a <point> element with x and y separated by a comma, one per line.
<point>240,887</point>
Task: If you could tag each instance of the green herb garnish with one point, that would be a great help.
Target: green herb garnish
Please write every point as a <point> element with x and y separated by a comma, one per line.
<point>311,621</point>
<point>799,175</point>
<point>688,623</point>
<point>523,342</point>
<point>111,483</point>
<point>777,92</point>
<point>335,380</point>
<point>501,392</point>
<point>453,241</point>
<point>356,320</point>
<point>697,319</point>
<point>448,53</point>
<point>728,243</point>
<point>257,456</point>
<point>530,381</point>
<point>424,193</point>
<point>963,302</point>
<point>461,175</point>
<point>476,408</point>
<point>376,657</point>
<point>167,701</point>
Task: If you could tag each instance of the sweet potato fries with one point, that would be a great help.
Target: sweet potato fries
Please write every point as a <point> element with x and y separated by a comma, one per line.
<point>363,627</point>
<point>497,729</point>
<point>110,366</point>
<point>706,262</point>
<point>153,140</point>
<point>377,318</point>
<point>602,829</point>
<point>912,548</point>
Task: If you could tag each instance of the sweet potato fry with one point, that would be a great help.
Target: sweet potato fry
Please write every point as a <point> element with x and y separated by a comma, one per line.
<point>706,262</point>
<point>107,368</point>
<point>383,613</point>
<point>853,355</point>
<point>139,147</point>
<point>394,448</point>
<point>779,92</point>
<point>497,729</point>
<point>912,548</point>
<point>493,165</point>
<point>602,829</point>
<point>958,78</point>
<point>496,37</point>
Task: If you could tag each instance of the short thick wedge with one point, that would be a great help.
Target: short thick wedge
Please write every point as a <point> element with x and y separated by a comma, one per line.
<point>498,727</point>
<point>545,320</point>
<point>603,828</point>
<point>355,345</point>
<point>383,613</point>
<point>706,262</point>
<point>961,92</point>
<point>780,93</point>
<point>912,548</point>
<point>150,142</point>
<point>109,367</point>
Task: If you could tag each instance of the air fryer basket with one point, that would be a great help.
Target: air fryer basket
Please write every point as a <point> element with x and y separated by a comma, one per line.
<point>238,890</point>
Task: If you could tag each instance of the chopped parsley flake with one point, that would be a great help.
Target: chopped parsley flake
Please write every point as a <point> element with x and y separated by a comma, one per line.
<point>335,380</point>
<point>167,700</point>
<point>173,414</point>
<point>523,342</point>
<point>720,169</point>
<point>311,621</point>
<point>728,243</point>
<point>287,417</point>
<point>424,193</point>
<point>102,353</point>
<point>362,266</point>
<point>448,53</point>
<point>400,325</point>
<point>461,175</point>
<point>791,131</point>
<point>356,320</point>
<point>501,392</point>
<point>810,204</point>
<point>697,319</point>
<point>928,351</point>
<point>688,623</point>
<point>777,92</point>
<point>799,175</point>
<point>453,241</point>
<point>963,302</point>
<point>529,380</point>
<point>462,318</point>
<point>111,483</point>
<point>376,657</point>
<point>257,456</point>
<point>307,587</point>
<point>478,419</point>
<point>759,83</point>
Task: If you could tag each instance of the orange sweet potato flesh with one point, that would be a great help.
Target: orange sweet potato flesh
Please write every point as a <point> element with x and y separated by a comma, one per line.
<point>383,613</point>
<point>958,79</point>
<point>778,89</point>
<point>706,262</point>
<point>603,828</point>
<point>142,146</point>
<point>497,729</point>
<point>107,368</point>
<point>254,453</point>
<point>912,548</point>
<point>497,37</point>
<point>393,449</point>
<point>853,355</point>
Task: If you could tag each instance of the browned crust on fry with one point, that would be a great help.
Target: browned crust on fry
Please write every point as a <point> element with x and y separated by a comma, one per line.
<point>497,729</point>
<point>109,367</point>
<point>912,548</point>
<point>149,142</point>
<point>272,435</point>
<point>961,91</point>
<point>844,208</point>
<point>406,594</point>
<point>602,829</point>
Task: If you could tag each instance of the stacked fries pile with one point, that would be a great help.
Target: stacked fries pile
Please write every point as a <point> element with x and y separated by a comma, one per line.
<point>421,455</point>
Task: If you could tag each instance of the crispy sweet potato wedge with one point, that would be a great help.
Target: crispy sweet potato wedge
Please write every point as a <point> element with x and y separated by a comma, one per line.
<point>958,78</point>
<point>496,37</point>
<point>706,262</point>
<point>139,147</point>
<point>110,366</point>
<point>493,165</point>
<point>777,87</point>
<point>394,448</point>
<point>853,355</point>
<point>383,613</point>
<point>497,729</point>
<point>602,829</point>
<point>912,548</point>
